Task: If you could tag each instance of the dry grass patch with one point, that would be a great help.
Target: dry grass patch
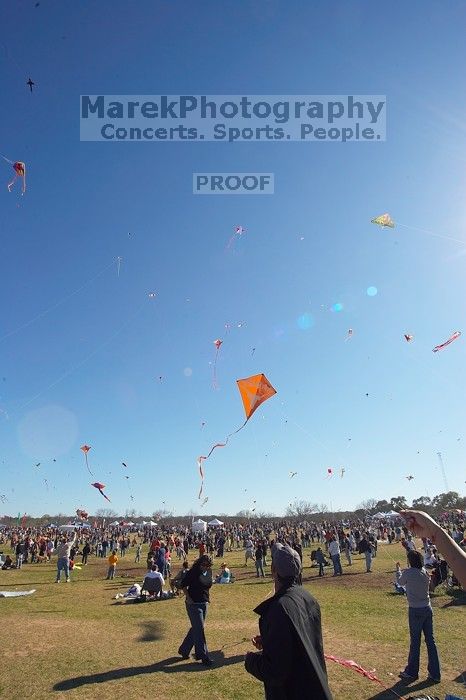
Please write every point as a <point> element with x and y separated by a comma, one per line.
<point>75,641</point>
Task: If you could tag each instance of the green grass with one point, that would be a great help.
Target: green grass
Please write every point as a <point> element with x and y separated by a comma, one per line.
<point>75,641</point>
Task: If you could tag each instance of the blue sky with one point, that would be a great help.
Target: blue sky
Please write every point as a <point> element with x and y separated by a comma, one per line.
<point>87,371</point>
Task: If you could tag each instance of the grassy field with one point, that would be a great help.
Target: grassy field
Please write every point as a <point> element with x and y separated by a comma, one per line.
<point>75,641</point>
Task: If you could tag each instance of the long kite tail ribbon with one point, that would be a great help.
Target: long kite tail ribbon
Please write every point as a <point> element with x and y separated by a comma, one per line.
<point>453,337</point>
<point>349,663</point>
<point>202,458</point>
<point>105,495</point>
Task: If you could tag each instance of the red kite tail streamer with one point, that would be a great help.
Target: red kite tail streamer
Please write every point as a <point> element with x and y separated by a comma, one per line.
<point>202,458</point>
<point>453,337</point>
<point>105,495</point>
<point>348,663</point>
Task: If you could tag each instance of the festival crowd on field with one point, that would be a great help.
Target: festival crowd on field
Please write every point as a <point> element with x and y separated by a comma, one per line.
<point>328,541</point>
<point>289,654</point>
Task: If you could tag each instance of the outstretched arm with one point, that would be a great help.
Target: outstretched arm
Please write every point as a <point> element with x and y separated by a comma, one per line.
<point>424,526</point>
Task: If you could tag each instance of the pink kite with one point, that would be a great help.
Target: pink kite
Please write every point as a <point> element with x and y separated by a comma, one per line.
<point>329,472</point>
<point>348,663</point>
<point>20,172</point>
<point>239,230</point>
<point>100,487</point>
<point>453,337</point>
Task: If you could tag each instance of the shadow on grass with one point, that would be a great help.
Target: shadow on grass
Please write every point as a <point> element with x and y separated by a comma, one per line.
<point>457,598</point>
<point>401,689</point>
<point>151,631</point>
<point>165,666</point>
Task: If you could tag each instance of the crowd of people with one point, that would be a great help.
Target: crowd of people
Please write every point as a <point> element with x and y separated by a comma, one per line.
<point>290,620</point>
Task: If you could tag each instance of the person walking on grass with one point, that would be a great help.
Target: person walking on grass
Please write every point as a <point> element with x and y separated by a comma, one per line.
<point>259,561</point>
<point>196,585</point>
<point>364,547</point>
<point>334,551</point>
<point>63,562</point>
<point>416,581</point>
<point>112,562</point>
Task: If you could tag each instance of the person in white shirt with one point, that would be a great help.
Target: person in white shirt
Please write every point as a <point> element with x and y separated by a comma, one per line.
<point>430,560</point>
<point>155,573</point>
<point>249,553</point>
<point>410,545</point>
<point>334,552</point>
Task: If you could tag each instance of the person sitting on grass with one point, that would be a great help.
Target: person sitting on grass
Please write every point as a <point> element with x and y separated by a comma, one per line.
<point>398,572</point>
<point>224,574</point>
<point>8,563</point>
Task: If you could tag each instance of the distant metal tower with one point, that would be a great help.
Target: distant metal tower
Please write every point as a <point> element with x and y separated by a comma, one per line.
<point>442,467</point>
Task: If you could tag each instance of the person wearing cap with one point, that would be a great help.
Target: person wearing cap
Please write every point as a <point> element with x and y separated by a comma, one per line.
<point>290,658</point>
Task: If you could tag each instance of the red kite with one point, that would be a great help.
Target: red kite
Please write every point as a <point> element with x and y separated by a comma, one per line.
<point>20,171</point>
<point>100,487</point>
<point>254,391</point>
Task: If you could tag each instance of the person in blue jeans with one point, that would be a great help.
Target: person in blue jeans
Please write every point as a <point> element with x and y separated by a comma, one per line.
<point>196,587</point>
<point>259,561</point>
<point>416,581</point>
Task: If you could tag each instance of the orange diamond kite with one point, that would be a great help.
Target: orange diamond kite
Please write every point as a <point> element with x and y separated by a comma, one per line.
<point>254,391</point>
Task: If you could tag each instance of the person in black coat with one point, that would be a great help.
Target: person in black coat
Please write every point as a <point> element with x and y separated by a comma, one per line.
<point>290,661</point>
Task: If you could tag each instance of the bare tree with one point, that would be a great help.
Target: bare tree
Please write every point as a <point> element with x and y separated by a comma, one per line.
<point>301,508</point>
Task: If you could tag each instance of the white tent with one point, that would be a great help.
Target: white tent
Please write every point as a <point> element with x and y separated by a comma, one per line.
<point>215,523</point>
<point>199,526</point>
<point>390,514</point>
<point>72,526</point>
<point>115,522</point>
<point>151,523</point>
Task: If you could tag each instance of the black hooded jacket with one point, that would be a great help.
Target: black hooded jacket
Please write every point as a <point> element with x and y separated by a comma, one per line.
<point>291,664</point>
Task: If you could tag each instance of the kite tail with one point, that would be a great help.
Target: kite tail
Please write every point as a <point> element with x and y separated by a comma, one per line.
<point>202,458</point>
<point>214,371</point>
<point>348,663</point>
<point>10,184</point>
<point>87,465</point>
<point>105,495</point>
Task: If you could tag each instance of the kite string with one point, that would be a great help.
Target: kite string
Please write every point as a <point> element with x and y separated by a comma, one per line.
<point>7,159</point>
<point>56,304</point>
<point>431,233</point>
<point>86,359</point>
